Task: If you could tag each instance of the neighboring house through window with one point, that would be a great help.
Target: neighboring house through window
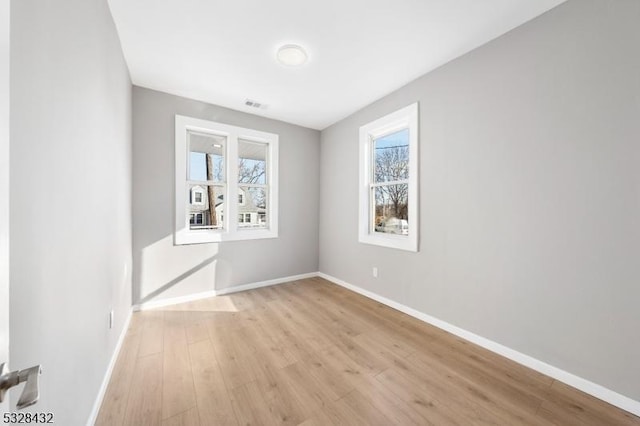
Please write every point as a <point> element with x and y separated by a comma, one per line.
<point>245,219</point>
<point>196,219</point>
<point>389,180</point>
<point>214,160</point>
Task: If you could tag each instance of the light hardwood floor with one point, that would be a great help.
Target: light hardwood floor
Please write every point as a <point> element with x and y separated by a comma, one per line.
<point>313,353</point>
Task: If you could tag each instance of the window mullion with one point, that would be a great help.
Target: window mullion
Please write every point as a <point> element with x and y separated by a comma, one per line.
<point>231,201</point>
<point>205,182</point>
<point>252,185</point>
<point>390,183</point>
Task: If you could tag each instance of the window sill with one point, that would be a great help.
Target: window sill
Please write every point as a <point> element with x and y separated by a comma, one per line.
<point>185,236</point>
<point>398,242</point>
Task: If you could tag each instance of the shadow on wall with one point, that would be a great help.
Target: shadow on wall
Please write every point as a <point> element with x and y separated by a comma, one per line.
<point>164,269</point>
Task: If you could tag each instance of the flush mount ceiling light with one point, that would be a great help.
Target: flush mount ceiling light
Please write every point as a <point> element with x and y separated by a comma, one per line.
<point>291,55</point>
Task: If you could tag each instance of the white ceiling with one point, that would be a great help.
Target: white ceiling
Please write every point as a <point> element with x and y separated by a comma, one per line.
<point>223,52</point>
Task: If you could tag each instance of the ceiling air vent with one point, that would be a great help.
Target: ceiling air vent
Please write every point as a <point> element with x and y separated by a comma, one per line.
<point>255,104</point>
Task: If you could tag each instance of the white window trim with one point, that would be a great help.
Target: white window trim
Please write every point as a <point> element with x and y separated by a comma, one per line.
<point>230,231</point>
<point>402,119</point>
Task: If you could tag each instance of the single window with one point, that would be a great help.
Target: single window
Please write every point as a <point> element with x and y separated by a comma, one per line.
<point>253,181</point>
<point>389,180</point>
<point>214,160</point>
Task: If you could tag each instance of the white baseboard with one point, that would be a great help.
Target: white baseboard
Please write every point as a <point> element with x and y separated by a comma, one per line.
<point>584,385</point>
<point>235,289</point>
<point>107,376</point>
<point>173,301</point>
<point>266,283</point>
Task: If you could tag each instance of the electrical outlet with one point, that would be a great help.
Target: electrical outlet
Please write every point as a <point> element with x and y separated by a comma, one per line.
<point>111,317</point>
<point>375,272</point>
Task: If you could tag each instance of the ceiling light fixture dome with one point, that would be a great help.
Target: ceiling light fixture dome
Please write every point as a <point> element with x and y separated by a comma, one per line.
<point>292,55</point>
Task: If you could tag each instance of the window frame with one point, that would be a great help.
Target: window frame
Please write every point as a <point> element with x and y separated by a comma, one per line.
<point>404,118</point>
<point>230,230</point>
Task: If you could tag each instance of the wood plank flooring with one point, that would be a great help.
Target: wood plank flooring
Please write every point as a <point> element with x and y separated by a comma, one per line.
<point>312,353</point>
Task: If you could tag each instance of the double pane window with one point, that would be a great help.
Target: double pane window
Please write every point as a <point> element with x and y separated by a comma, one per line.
<point>226,182</point>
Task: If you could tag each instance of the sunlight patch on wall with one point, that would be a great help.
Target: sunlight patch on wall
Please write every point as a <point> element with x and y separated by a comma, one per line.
<point>165,267</point>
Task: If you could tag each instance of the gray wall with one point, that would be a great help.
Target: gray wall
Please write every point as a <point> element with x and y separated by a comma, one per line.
<point>162,270</point>
<point>70,198</point>
<point>529,193</point>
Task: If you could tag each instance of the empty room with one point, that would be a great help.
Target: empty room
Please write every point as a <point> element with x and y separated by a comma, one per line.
<point>420,212</point>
